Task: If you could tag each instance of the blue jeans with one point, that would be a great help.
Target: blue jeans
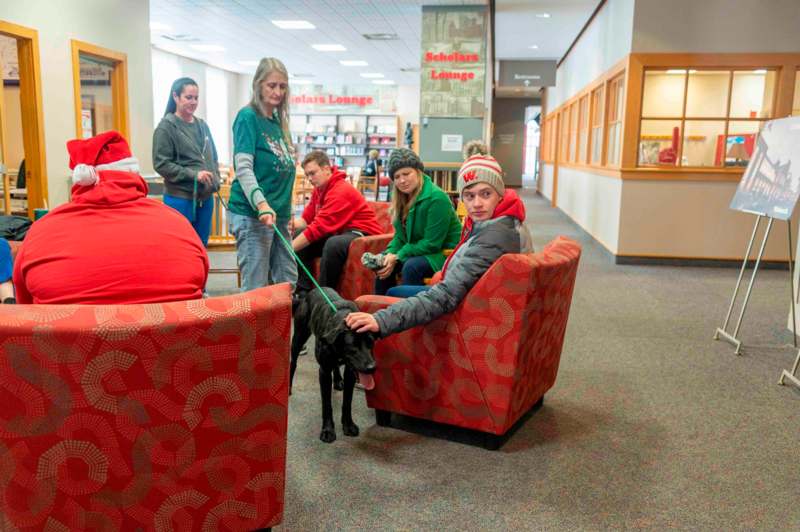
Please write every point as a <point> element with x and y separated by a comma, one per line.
<point>407,290</point>
<point>203,213</point>
<point>263,259</point>
<point>414,271</point>
<point>6,265</point>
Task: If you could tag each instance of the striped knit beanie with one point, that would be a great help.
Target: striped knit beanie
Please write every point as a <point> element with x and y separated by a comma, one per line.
<point>481,169</point>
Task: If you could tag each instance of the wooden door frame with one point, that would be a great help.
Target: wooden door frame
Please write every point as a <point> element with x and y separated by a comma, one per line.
<point>119,84</point>
<point>30,94</point>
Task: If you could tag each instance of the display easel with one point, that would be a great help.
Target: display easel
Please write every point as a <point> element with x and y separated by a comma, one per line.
<point>722,332</point>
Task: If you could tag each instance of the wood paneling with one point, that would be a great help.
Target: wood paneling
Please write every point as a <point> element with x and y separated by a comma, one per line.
<point>30,86</point>
<point>119,84</point>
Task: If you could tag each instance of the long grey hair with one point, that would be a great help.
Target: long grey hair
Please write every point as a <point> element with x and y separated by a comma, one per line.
<point>267,66</point>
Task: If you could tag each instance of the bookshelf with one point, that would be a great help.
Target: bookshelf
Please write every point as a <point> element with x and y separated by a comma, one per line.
<point>347,139</point>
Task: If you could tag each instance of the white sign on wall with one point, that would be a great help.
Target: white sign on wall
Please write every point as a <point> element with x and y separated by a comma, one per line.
<point>452,142</point>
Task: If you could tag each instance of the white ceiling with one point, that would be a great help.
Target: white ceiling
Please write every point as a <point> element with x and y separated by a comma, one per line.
<point>244,29</point>
<point>517,27</point>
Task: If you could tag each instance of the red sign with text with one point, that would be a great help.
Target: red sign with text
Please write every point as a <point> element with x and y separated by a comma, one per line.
<point>332,99</point>
<point>454,57</point>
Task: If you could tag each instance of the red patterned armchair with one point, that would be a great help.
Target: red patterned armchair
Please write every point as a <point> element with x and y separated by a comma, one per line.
<point>168,416</point>
<point>489,362</point>
<point>356,279</point>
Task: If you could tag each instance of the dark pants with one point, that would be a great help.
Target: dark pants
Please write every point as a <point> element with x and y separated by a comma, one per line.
<point>333,250</point>
<point>413,270</point>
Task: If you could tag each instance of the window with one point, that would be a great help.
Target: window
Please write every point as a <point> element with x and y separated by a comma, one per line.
<point>563,124</point>
<point>796,103</point>
<point>573,132</point>
<point>597,125</point>
<point>100,81</point>
<point>703,117</point>
<point>616,99</point>
<point>583,130</point>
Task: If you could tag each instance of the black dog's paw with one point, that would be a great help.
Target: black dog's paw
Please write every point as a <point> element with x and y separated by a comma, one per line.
<point>338,384</point>
<point>328,435</point>
<point>350,429</point>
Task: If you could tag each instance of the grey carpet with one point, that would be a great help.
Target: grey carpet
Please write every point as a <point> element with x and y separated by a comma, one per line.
<point>650,424</point>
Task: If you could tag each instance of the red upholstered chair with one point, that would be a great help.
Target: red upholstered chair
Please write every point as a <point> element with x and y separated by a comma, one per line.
<point>491,360</point>
<point>169,416</point>
<point>357,280</point>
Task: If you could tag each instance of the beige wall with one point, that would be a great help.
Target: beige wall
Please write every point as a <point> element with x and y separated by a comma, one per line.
<point>119,25</point>
<point>689,219</point>
<point>603,44</point>
<point>593,202</point>
<point>716,26</point>
<point>546,181</point>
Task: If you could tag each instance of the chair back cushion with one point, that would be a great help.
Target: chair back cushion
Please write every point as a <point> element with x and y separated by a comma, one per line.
<point>513,323</point>
<point>163,416</point>
<point>381,209</point>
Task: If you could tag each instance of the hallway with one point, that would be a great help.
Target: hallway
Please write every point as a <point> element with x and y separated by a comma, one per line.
<point>650,424</point>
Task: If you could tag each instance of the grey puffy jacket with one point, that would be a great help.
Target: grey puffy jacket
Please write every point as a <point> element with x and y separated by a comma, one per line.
<point>177,159</point>
<point>488,242</point>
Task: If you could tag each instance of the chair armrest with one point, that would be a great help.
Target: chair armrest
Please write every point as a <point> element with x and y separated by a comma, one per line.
<point>371,243</point>
<point>372,303</point>
<point>356,278</point>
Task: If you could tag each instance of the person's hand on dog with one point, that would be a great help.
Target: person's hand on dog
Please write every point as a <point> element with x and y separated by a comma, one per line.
<point>389,261</point>
<point>362,322</point>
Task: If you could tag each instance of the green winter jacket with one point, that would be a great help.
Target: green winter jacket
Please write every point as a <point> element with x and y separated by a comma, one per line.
<point>431,226</point>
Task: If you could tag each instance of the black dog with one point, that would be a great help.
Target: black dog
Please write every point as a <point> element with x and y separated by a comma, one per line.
<point>336,344</point>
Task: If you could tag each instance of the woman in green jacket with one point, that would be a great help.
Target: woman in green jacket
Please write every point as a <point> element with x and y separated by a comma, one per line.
<point>425,224</point>
<point>261,194</point>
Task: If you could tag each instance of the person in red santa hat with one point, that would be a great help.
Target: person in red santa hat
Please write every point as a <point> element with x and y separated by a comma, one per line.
<point>110,244</point>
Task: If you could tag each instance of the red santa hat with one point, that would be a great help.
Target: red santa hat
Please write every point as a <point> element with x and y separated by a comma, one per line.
<point>106,151</point>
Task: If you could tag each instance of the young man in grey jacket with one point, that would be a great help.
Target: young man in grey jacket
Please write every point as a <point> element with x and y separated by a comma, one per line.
<point>495,226</point>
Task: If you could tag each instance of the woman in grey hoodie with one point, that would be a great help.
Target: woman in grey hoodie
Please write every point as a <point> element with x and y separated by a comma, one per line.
<point>184,154</point>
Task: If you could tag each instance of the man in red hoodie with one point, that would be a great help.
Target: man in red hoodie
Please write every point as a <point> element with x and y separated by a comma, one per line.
<point>495,225</point>
<point>336,214</point>
<point>110,244</point>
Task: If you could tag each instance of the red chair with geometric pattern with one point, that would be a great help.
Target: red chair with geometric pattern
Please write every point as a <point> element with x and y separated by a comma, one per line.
<point>490,361</point>
<point>356,279</point>
<point>167,416</point>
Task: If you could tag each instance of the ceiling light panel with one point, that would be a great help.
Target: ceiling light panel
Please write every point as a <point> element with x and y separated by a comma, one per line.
<point>329,47</point>
<point>294,24</point>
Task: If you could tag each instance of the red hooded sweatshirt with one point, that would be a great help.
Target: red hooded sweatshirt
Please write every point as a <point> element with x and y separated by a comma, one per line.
<point>111,245</point>
<point>510,205</point>
<point>336,206</point>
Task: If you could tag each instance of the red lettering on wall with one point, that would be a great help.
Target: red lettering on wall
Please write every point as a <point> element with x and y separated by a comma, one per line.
<point>454,75</point>
<point>454,57</point>
<point>332,99</point>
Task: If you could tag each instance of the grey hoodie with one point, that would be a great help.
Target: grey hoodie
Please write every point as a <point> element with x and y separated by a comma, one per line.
<point>489,240</point>
<point>177,158</point>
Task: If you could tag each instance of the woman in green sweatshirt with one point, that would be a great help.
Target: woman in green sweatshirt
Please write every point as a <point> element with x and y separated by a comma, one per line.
<point>425,224</point>
<point>261,194</point>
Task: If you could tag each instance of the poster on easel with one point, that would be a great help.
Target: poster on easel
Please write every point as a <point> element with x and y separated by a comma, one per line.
<point>771,183</point>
